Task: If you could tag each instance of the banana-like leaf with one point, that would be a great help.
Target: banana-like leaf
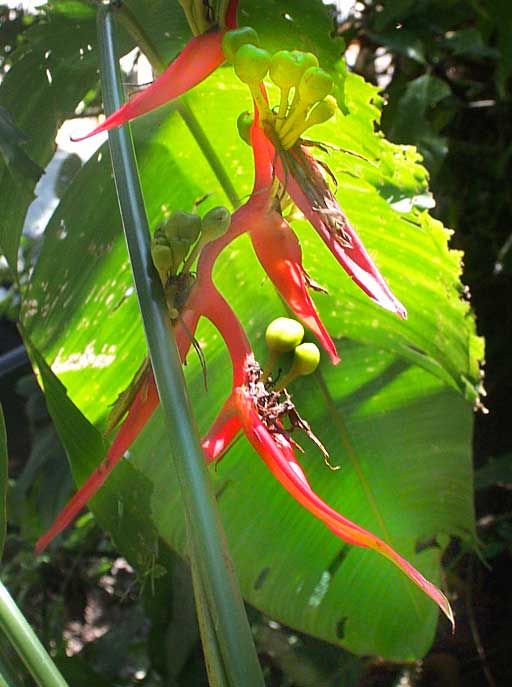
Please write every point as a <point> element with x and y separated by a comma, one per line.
<point>396,414</point>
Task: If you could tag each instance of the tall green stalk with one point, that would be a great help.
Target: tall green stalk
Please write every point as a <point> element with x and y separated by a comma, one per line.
<point>208,549</point>
<point>29,648</point>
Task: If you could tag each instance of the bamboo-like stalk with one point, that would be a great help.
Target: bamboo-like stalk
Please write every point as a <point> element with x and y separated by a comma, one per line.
<point>29,648</point>
<point>226,614</point>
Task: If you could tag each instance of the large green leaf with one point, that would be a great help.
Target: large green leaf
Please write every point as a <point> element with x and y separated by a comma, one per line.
<point>392,414</point>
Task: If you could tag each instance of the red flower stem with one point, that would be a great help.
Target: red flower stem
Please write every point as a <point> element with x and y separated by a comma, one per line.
<point>220,314</point>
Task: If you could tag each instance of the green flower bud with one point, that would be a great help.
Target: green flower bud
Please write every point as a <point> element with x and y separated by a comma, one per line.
<point>322,112</point>
<point>162,257</point>
<point>284,334</point>
<point>251,64</point>
<point>306,359</point>
<point>244,123</point>
<point>160,236</point>
<point>183,225</point>
<point>179,247</point>
<point>233,40</point>
<point>305,59</point>
<point>314,85</point>
<point>190,230</point>
<point>215,223</point>
<point>286,68</point>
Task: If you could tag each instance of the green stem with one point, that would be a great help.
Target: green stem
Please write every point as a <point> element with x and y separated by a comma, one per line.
<point>208,150</point>
<point>29,648</point>
<point>208,540</point>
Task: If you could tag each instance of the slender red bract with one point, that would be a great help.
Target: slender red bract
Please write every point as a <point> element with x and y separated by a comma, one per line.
<point>198,59</point>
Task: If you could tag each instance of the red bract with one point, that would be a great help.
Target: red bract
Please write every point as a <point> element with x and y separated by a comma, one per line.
<point>240,412</point>
<point>144,405</point>
<point>142,408</point>
<point>280,255</point>
<point>304,182</point>
<point>198,59</point>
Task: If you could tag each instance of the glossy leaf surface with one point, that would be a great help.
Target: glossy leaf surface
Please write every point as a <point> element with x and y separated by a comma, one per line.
<point>393,414</point>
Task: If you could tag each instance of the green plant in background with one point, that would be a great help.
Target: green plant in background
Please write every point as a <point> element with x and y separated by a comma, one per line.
<point>396,415</point>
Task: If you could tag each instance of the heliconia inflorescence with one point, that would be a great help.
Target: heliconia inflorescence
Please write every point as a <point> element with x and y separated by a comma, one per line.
<point>185,248</point>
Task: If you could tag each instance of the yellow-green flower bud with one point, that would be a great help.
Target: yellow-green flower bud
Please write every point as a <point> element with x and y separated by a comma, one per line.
<point>305,59</point>
<point>323,111</point>
<point>180,248</point>
<point>306,359</point>
<point>215,223</point>
<point>162,257</point>
<point>183,225</point>
<point>160,235</point>
<point>286,69</point>
<point>284,334</point>
<point>233,40</point>
<point>251,64</point>
<point>244,123</point>
<point>314,85</point>
<point>190,230</point>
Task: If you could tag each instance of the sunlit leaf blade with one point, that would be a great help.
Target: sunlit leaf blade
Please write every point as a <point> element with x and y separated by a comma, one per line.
<point>392,414</point>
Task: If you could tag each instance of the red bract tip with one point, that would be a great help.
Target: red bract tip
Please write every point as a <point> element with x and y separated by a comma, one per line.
<point>276,450</point>
<point>198,59</point>
<point>306,186</point>
<point>145,403</point>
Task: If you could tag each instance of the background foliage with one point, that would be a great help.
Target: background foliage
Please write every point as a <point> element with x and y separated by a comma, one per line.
<point>446,68</point>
